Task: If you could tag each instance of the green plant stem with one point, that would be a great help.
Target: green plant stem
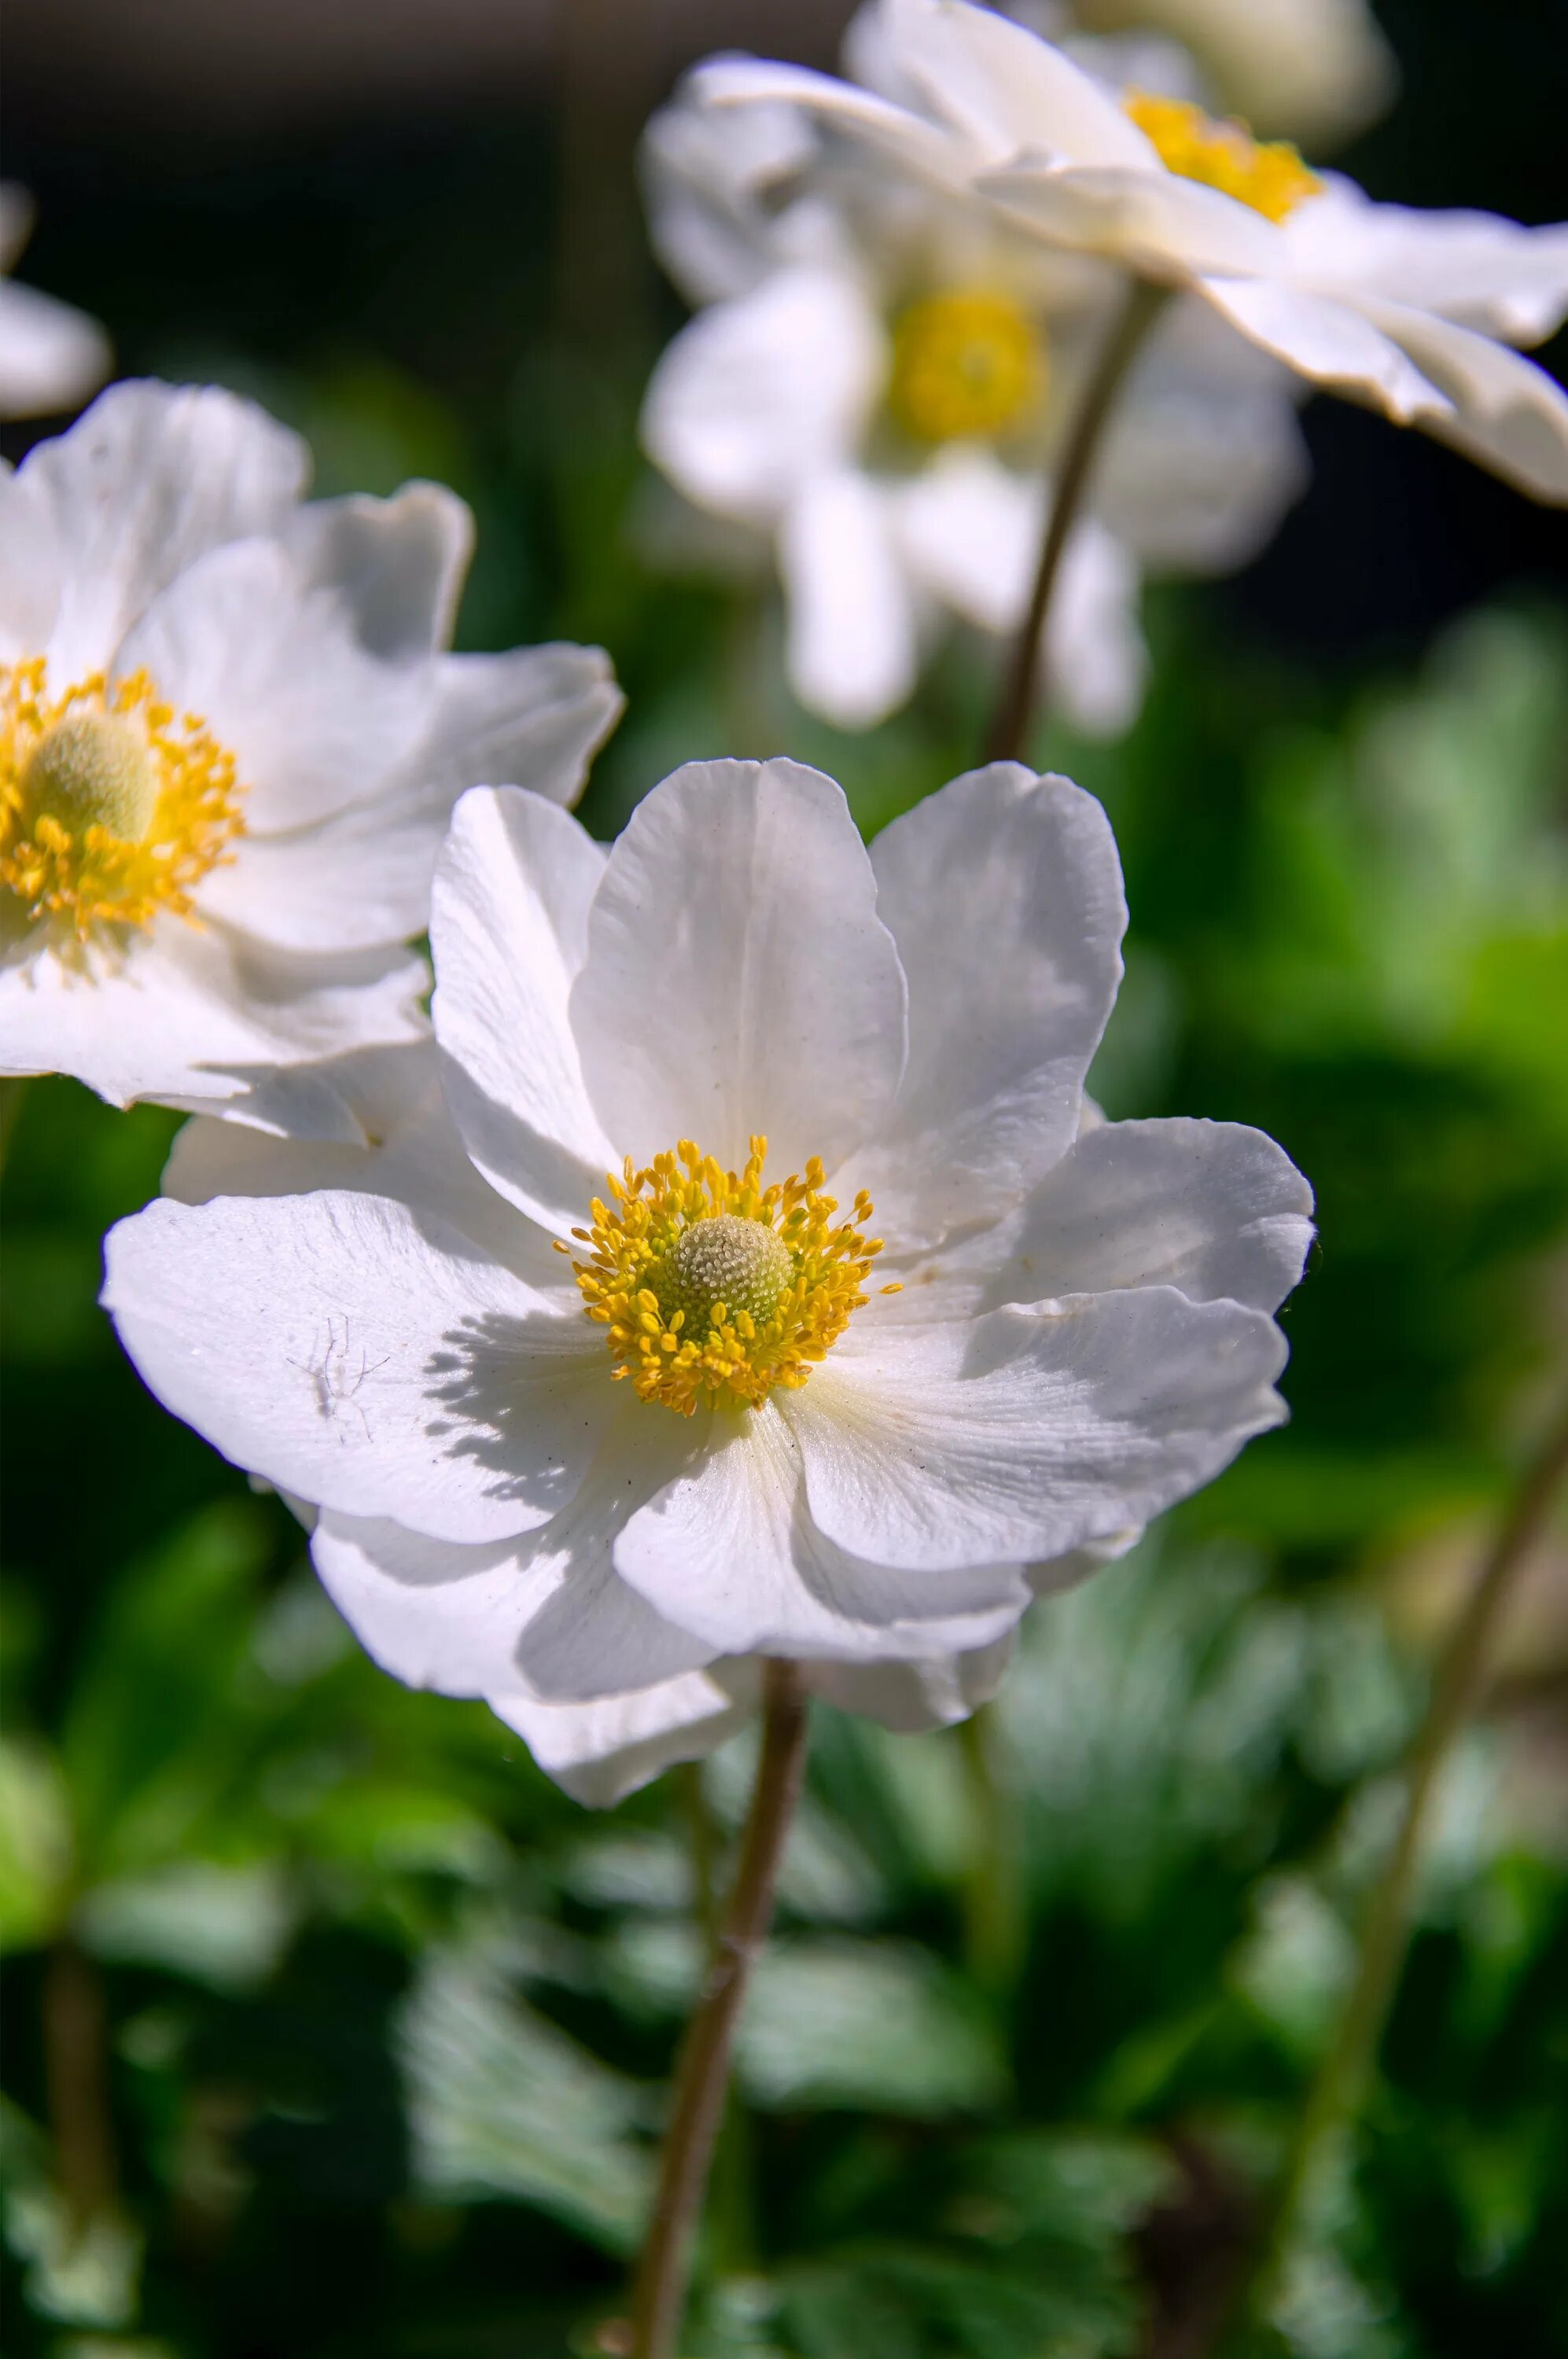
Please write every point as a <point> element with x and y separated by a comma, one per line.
<point>76,2072</point>
<point>702,2077</point>
<point>992,1897</point>
<point>1020,703</point>
<point>1337,2094</point>
<point>12,1090</point>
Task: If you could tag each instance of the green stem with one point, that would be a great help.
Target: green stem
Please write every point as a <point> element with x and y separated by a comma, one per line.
<point>12,1090</point>
<point>1018,706</point>
<point>993,1906</point>
<point>701,2077</point>
<point>76,2072</point>
<point>1336,2094</point>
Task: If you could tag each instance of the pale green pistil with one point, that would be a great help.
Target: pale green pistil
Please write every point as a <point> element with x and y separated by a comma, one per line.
<point>743,1263</point>
<point>93,769</point>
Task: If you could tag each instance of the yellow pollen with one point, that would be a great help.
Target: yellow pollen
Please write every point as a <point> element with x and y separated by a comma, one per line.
<point>715,1287</point>
<point>111,810</point>
<point>1269,176</point>
<point>968,362</point>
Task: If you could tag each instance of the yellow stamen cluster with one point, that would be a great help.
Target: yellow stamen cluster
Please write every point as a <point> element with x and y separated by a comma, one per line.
<point>111,810</point>
<point>966,362</point>
<point>1269,176</point>
<point>713,1285</point>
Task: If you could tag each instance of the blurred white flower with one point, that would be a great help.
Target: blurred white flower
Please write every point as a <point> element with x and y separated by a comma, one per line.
<point>230,742</point>
<point>587,1454</point>
<point>51,355</point>
<point>880,378</point>
<point>1411,312</point>
<point>1312,69</point>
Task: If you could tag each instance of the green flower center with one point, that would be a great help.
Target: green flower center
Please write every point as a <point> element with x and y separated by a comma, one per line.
<point>745,1264</point>
<point>93,769</point>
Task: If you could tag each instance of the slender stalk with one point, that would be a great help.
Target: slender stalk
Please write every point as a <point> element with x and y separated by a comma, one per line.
<point>658,2292</point>
<point>1020,698</point>
<point>993,1895</point>
<point>12,1090</point>
<point>1337,2094</point>
<point>76,2071</point>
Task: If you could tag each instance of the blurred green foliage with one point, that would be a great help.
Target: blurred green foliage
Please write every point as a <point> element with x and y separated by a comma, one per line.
<point>355,2029</point>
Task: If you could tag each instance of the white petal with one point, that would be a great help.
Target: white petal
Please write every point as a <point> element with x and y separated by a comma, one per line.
<point>707,176</point>
<point>1006,89</point>
<point>851,620</point>
<point>508,930</point>
<point>30,569</point>
<point>1027,1433</point>
<point>396,564</point>
<point>367,1358</point>
<point>51,355</point>
<point>602,1752</point>
<point>969,529</point>
<point>434,1613</point>
<point>1004,895</point>
<point>1330,343</point>
<point>147,482</point>
<point>910,1698</point>
<point>1475,268</point>
<point>738,978</point>
<point>407,1148</point>
<point>532,718</point>
<point>273,666</point>
<point>893,130</point>
<point>728,1550</point>
<point>1506,411</point>
<point>1153,221</point>
<point>198,1019</point>
<point>756,396</point>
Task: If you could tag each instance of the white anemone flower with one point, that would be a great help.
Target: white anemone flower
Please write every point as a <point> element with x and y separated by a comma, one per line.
<point>1413,313</point>
<point>1314,70</point>
<point>229,743</point>
<point>878,386</point>
<point>592,1408</point>
<point>51,355</point>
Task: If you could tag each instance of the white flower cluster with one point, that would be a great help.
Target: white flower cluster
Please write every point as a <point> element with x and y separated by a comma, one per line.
<point>729,1265</point>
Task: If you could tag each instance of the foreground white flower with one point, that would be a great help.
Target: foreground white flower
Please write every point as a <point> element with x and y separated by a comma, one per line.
<point>880,378</point>
<point>230,742</point>
<point>51,355</point>
<point>1411,312</point>
<point>747,1445</point>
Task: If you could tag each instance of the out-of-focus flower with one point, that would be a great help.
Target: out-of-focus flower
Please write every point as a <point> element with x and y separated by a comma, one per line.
<point>1411,312</point>
<point>588,1446</point>
<point>230,742</point>
<point>1312,69</point>
<point>879,378</point>
<point>51,355</point>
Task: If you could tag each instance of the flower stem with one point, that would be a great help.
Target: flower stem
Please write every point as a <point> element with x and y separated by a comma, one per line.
<point>75,2041</point>
<point>12,1090</point>
<point>1020,698</point>
<point>658,2293</point>
<point>1337,2094</point>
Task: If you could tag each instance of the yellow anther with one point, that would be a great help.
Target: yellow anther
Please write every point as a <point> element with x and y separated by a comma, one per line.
<point>111,810</point>
<point>967,361</point>
<point>1269,176</point>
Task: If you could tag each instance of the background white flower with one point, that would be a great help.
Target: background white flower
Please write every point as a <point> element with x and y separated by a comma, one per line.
<point>51,355</point>
<point>881,380</point>
<point>1312,69</point>
<point>230,739</point>
<point>1084,1333</point>
<point>1413,313</point>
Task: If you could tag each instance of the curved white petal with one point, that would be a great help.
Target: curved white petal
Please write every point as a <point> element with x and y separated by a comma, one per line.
<point>198,1019</point>
<point>149,479</point>
<point>851,630</point>
<point>360,1356</point>
<point>728,1550</point>
<point>756,396</point>
<point>893,130</point>
<point>274,667</point>
<point>1211,1208</point>
<point>1477,269</point>
<point>707,174</point>
<point>1500,408</point>
<point>532,718</point>
<point>1329,343</point>
<point>397,565</point>
<point>602,1752</point>
<point>738,978</point>
<point>1028,1432</point>
<point>508,931</point>
<point>1006,88</point>
<point>1153,221</point>
<point>969,531</point>
<point>910,1698</point>
<point>1004,896</point>
<point>51,355</point>
<point>31,572</point>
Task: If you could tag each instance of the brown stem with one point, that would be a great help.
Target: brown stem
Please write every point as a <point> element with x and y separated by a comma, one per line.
<point>1020,700</point>
<point>658,2293</point>
<point>1337,2094</point>
<point>76,2069</point>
